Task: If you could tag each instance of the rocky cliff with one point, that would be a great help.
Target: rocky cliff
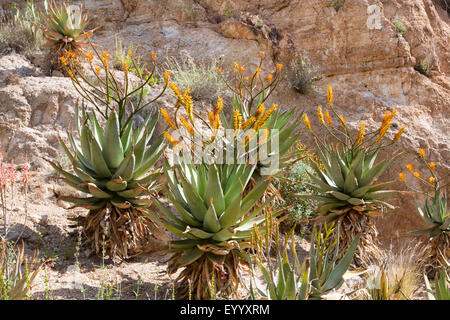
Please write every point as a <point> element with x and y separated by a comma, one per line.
<point>357,45</point>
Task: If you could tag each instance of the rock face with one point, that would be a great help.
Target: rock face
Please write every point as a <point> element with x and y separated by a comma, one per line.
<point>360,50</point>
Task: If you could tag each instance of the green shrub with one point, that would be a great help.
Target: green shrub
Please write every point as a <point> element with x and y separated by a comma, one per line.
<point>400,27</point>
<point>303,76</point>
<point>301,210</point>
<point>202,79</point>
<point>337,4</point>
<point>19,30</point>
<point>423,68</point>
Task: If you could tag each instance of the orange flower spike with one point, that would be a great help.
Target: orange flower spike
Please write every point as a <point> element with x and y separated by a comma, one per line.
<point>279,66</point>
<point>236,67</point>
<point>237,119</point>
<point>154,56</point>
<point>422,153</point>
<point>242,69</point>
<point>259,111</point>
<point>212,119</point>
<point>320,115</point>
<point>410,168</point>
<point>431,179</point>
<point>219,106</point>
<point>257,71</point>
<point>170,139</point>
<point>261,53</point>
<point>361,133</point>
<point>168,118</point>
<point>105,58</point>
<point>187,125</point>
<point>97,70</point>
<point>124,66</point>
<point>342,120</point>
<point>266,116</point>
<point>167,76</point>
<point>219,70</point>
<point>130,52</point>
<point>329,96</point>
<point>307,122</point>
<point>402,177</point>
<point>269,78</point>
<point>327,116</point>
<point>432,166</point>
<point>249,122</point>
<point>90,56</point>
<point>175,90</point>
<point>399,134</point>
<point>416,174</point>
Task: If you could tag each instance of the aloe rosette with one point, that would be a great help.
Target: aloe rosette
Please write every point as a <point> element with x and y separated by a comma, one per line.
<point>115,167</point>
<point>64,27</point>
<point>214,222</point>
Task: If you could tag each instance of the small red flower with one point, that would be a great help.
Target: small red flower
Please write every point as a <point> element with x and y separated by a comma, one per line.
<point>25,172</point>
<point>12,172</point>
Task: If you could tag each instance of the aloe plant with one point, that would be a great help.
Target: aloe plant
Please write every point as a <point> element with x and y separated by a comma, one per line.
<point>64,27</point>
<point>214,221</point>
<point>441,286</point>
<point>311,280</point>
<point>346,179</point>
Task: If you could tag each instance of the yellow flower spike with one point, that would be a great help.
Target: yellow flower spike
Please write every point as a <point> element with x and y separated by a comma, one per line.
<point>410,168</point>
<point>269,78</point>
<point>248,123</point>
<point>219,106</point>
<point>90,56</point>
<point>70,73</point>
<point>320,114</point>
<point>154,56</point>
<point>124,66</point>
<point>219,70</point>
<point>246,78</point>
<point>242,69</point>
<point>166,76</point>
<point>187,125</point>
<point>170,139</point>
<point>237,119</point>
<point>327,116</point>
<point>175,90</point>
<point>97,70</point>
<point>63,60</point>
<point>130,52</point>
<point>422,152</point>
<point>361,133</point>
<point>105,58</point>
<point>432,166</point>
<point>329,95</point>
<point>307,122</point>
<point>398,135</point>
<point>236,67</point>
<point>342,119</point>
<point>261,53</point>
<point>212,119</point>
<point>279,66</point>
<point>416,174</point>
<point>257,71</point>
<point>189,107</point>
<point>259,111</point>
<point>265,117</point>
<point>168,118</point>
<point>87,34</point>
<point>402,177</point>
<point>431,179</point>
